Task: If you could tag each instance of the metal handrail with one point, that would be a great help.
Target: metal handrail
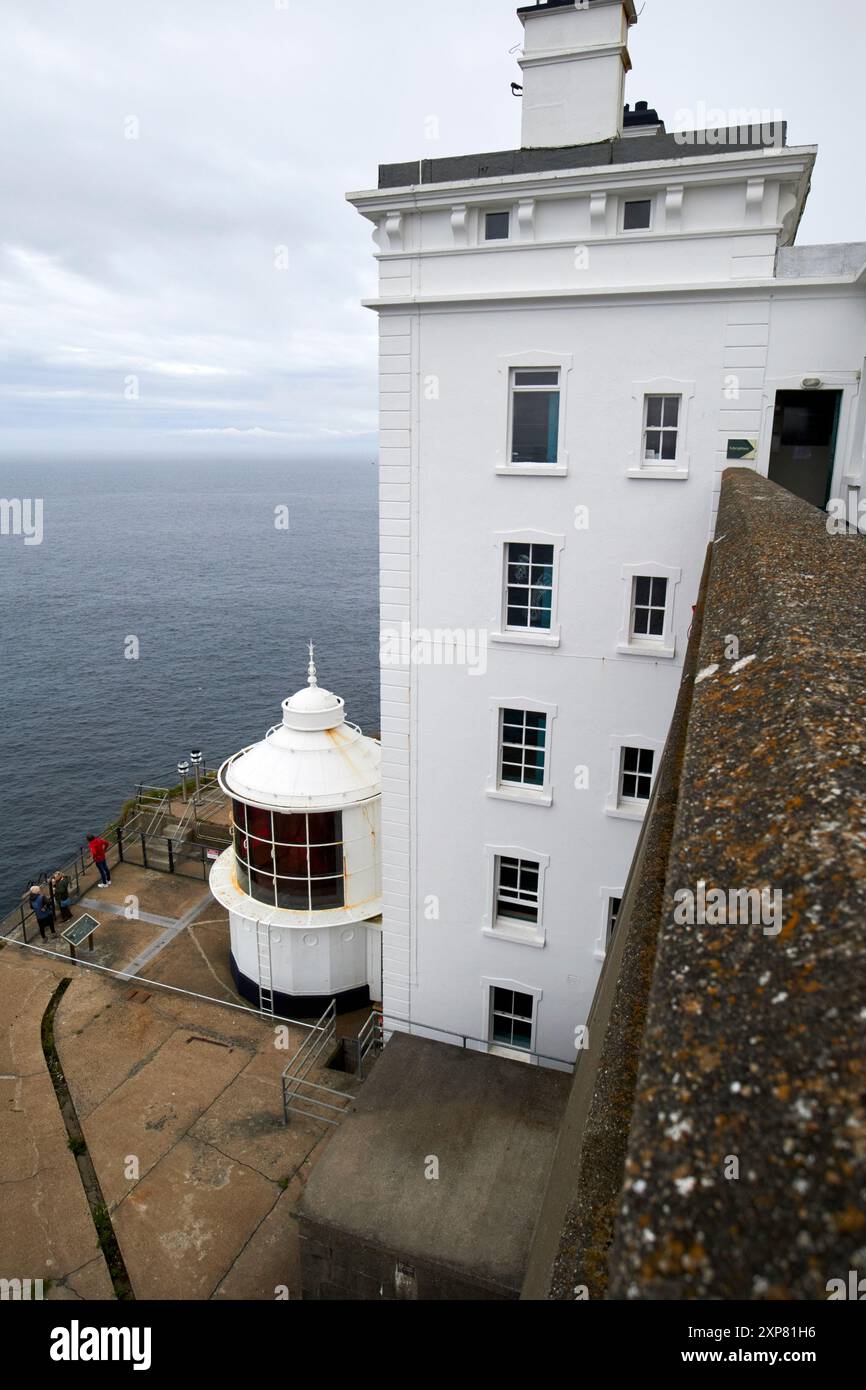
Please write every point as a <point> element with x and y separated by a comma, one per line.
<point>465,1038</point>
<point>75,870</point>
<point>155,811</point>
<point>142,788</point>
<point>370,1039</point>
<point>209,797</point>
<point>152,805</point>
<point>311,1049</point>
<point>344,1099</point>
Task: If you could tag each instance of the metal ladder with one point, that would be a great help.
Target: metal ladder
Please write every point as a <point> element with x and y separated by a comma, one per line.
<point>266,993</point>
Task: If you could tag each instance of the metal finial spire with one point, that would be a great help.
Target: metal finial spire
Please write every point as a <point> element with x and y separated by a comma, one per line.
<point>311,669</point>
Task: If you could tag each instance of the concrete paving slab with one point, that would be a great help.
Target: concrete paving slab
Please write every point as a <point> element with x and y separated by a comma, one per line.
<point>162,895</point>
<point>25,989</point>
<point>199,956</point>
<point>46,1230</point>
<point>239,1026</point>
<point>115,942</point>
<point>139,966</point>
<point>88,1283</point>
<point>30,1099</point>
<point>102,1035</point>
<point>24,1151</point>
<point>210,1210</point>
<point>182,1227</point>
<point>270,1261</point>
<point>106,909</point>
<point>246,1122</point>
<point>147,1114</point>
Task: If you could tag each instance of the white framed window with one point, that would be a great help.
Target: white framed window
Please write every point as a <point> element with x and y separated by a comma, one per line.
<point>528,599</point>
<point>497,224</point>
<point>534,417</point>
<point>512,1019</point>
<point>518,892</point>
<point>649,610</point>
<point>649,607</point>
<point>634,766</point>
<point>611,903</point>
<point>661,428</point>
<point>613,910</point>
<point>529,586</point>
<point>523,749</point>
<point>510,1015</point>
<point>521,752</point>
<point>637,214</point>
<point>636,772</point>
<point>534,434</point>
<point>662,409</point>
<point>515,894</point>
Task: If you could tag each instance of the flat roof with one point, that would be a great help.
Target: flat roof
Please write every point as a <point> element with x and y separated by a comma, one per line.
<point>628,5</point>
<point>627,149</point>
<point>493,1126</point>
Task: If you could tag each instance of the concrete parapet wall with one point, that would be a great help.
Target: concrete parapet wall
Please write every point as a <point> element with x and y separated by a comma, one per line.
<point>744,1170</point>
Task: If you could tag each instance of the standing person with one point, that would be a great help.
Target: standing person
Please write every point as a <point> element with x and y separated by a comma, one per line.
<point>62,891</point>
<point>44,911</point>
<point>99,850</point>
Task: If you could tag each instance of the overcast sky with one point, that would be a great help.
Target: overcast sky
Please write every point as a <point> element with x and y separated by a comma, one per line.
<point>155,258</point>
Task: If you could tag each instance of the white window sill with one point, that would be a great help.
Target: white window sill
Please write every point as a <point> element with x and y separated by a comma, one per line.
<point>600,955</point>
<point>517,936</point>
<point>625,812</point>
<point>525,796</point>
<point>532,470</point>
<point>512,1054</point>
<point>526,639</point>
<point>660,652</point>
<point>660,473</point>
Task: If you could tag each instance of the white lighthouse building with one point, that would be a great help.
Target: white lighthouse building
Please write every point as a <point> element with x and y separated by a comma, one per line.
<point>302,879</point>
<point>577,337</point>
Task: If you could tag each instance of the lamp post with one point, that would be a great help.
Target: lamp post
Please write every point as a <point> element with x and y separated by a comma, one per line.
<point>196,758</point>
<point>183,769</point>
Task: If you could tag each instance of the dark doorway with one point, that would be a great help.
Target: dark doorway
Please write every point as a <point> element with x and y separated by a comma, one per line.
<point>805,426</point>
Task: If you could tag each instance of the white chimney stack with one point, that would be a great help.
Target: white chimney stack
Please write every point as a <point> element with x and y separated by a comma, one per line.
<point>575,58</point>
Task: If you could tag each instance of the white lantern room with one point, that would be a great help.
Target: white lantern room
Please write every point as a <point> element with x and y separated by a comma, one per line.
<point>302,881</point>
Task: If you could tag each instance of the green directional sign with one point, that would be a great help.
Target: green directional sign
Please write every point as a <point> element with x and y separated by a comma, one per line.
<point>742,450</point>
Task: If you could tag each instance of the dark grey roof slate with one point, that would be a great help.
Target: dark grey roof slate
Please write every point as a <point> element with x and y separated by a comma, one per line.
<point>627,150</point>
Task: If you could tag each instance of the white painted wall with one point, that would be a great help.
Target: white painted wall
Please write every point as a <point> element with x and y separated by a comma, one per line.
<point>305,962</point>
<point>692,307</point>
<point>574,67</point>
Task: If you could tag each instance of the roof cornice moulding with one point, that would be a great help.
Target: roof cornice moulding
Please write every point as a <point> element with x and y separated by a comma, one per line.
<point>738,289</point>
<point>719,168</point>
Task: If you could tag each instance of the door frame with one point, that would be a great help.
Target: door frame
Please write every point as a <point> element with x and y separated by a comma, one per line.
<point>848,383</point>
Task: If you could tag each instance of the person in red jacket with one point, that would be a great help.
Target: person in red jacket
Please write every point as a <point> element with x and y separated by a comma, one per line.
<point>99,850</point>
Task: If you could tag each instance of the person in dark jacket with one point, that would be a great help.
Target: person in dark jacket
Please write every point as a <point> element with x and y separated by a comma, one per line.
<point>62,893</point>
<point>44,911</point>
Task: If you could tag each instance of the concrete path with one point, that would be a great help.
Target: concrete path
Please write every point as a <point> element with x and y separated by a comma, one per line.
<point>46,1230</point>
<point>172,930</point>
<point>179,1100</point>
<point>110,910</point>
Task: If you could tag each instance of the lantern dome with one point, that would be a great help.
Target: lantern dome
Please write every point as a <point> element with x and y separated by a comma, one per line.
<point>315,758</point>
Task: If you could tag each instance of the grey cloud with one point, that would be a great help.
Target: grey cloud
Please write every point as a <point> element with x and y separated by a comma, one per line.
<point>155,257</point>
